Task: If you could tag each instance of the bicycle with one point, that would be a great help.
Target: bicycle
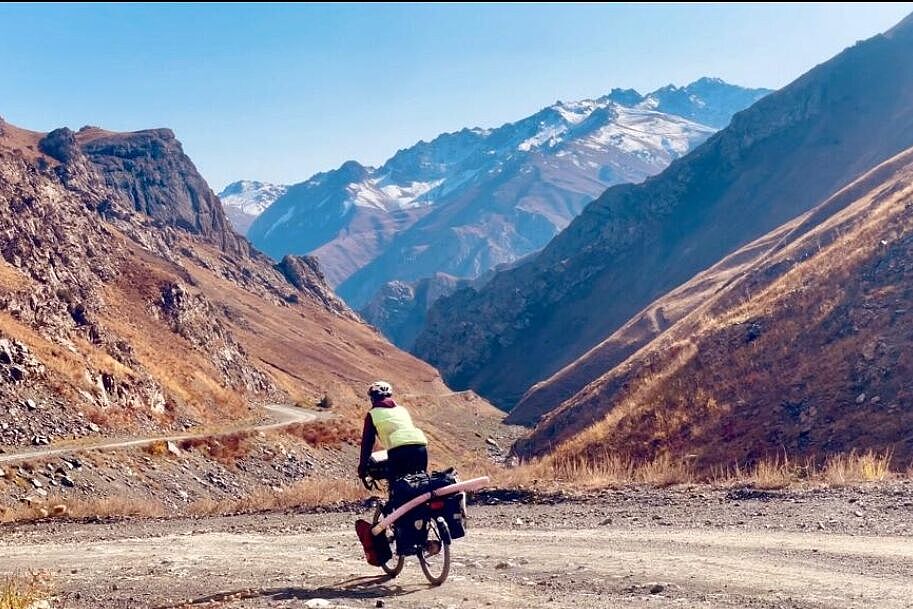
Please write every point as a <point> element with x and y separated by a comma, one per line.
<point>424,531</point>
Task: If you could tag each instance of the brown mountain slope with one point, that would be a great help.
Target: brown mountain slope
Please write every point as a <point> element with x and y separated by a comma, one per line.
<point>665,311</point>
<point>127,303</point>
<point>806,351</point>
<point>776,160</point>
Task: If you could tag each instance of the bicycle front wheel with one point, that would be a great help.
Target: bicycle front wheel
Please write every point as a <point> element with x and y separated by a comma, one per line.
<point>394,566</point>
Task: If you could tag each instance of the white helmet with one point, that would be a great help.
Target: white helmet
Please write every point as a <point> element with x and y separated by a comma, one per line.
<point>379,390</point>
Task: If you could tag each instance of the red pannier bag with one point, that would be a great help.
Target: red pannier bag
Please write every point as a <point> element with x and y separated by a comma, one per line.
<point>376,547</point>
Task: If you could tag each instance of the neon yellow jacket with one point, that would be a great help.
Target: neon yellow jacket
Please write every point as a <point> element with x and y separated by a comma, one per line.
<point>395,427</point>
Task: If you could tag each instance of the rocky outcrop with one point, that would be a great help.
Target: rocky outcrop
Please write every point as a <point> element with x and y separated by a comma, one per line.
<point>304,273</point>
<point>775,161</point>
<point>150,170</point>
<point>192,316</point>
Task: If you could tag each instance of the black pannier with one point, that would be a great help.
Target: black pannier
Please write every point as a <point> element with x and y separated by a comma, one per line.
<point>402,490</point>
<point>411,531</point>
<point>411,486</point>
<point>455,514</point>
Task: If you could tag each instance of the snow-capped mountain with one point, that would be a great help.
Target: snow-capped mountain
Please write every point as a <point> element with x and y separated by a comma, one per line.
<point>244,200</point>
<point>709,101</point>
<point>470,200</point>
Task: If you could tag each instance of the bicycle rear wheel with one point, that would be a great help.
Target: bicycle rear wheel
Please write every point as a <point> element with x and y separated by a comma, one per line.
<point>436,565</point>
<point>394,566</point>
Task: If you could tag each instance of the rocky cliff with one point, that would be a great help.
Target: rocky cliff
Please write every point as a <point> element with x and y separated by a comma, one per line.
<point>399,308</point>
<point>128,303</point>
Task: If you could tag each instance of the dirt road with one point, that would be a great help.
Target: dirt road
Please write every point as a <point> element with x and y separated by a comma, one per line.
<point>281,416</point>
<point>638,548</point>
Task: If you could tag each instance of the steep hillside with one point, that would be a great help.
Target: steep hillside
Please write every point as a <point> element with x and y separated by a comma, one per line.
<point>775,161</point>
<point>470,200</point>
<point>128,303</point>
<point>806,351</point>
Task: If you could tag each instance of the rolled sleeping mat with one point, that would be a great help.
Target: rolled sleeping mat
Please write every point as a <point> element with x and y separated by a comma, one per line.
<point>468,485</point>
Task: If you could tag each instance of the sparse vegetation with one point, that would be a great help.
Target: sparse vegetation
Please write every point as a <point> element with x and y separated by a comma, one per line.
<point>326,402</point>
<point>225,449</point>
<point>804,353</point>
<point>774,473</point>
<point>23,592</point>
<point>853,468</point>
<point>325,434</point>
<point>306,493</point>
<point>102,507</point>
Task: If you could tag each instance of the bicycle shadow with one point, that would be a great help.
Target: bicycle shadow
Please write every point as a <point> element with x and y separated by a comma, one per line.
<point>364,588</point>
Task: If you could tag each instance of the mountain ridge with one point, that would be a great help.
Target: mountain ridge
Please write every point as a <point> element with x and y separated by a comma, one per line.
<point>775,160</point>
<point>471,199</point>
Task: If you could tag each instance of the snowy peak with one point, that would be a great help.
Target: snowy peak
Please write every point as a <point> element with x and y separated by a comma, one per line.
<point>711,101</point>
<point>244,200</point>
<point>472,199</point>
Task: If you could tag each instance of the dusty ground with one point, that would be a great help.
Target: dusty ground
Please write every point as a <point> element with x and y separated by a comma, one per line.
<point>633,548</point>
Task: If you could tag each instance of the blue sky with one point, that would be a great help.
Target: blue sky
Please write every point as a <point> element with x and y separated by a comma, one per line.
<point>279,92</point>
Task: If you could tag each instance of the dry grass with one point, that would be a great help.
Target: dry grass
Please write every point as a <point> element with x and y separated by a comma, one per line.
<point>102,507</point>
<point>306,493</point>
<point>823,304</point>
<point>23,592</point>
<point>773,473</point>
<point>225,449</point>
<point>608,472</point>
<point>853,468</point>
<point>334,432</point>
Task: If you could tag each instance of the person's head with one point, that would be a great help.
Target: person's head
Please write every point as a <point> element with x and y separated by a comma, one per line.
<point>380,390</point>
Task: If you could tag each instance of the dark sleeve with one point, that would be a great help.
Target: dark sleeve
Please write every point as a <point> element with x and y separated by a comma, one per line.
<point>367,442</point>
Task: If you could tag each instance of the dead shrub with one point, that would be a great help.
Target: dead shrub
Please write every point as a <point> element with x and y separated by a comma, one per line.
<point>225,449</point>
<point>325,434</point>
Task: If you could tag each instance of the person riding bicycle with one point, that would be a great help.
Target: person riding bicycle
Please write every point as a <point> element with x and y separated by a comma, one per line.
<point>406,444</point>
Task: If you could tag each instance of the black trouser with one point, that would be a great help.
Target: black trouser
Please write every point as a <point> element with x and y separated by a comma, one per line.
<point>407,459</point>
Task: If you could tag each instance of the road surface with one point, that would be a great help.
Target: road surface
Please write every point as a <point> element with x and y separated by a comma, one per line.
<point>633,549</point>
<point>282,416</point>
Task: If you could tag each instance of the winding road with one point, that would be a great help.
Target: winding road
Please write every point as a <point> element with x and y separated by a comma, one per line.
<point>282,416</point>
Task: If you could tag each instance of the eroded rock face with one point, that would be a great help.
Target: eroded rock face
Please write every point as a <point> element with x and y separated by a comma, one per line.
<point>304,273</point>
<point>192,316</point>
<point>69,227</point>
<point>150,170</point>
<point>400,307</point>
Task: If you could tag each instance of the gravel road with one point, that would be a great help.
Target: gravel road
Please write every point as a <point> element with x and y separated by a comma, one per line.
<point>696,547</point>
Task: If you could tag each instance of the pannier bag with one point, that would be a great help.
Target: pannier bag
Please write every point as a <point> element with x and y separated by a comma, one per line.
<point>403,490</point>
<point>411,532</point>
<point>411,486</point>
<point>411,529</point>
<point>455,514</point>
<point>376,547</point>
